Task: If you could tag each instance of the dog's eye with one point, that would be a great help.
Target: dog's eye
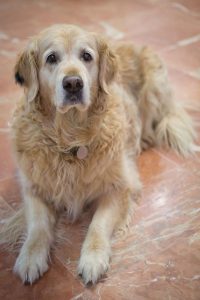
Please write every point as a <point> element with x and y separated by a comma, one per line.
<point>52,59</point>
<point>86,56</point>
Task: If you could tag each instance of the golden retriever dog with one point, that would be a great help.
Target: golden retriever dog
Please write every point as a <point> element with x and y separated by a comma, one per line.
<point>89,108</point>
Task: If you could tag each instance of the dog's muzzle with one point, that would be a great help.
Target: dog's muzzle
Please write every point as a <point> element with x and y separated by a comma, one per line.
<point>73,86</point>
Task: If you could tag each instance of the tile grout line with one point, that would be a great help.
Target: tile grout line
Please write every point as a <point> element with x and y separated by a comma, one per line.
<point>184,9</point>
<point>6,203</point>
<point>77,296</point>
<point>177,165</point>
<point>165,157</point>
<point>68,269</point>
<point>182,43</point>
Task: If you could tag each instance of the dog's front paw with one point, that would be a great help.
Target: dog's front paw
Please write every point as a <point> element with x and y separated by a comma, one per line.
<point>93,264</point>
<point>31,264</point>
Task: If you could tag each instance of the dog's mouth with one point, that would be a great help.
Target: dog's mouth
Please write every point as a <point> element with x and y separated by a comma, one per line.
<point>73,98</point>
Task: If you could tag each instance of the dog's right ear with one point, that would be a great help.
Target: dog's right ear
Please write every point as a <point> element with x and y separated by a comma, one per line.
<point>26,71</point>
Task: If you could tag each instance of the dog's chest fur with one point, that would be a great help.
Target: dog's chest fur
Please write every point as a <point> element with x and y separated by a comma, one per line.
<point>58,176</point>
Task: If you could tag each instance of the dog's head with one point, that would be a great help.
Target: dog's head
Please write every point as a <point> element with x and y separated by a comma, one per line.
<point>66,66</point>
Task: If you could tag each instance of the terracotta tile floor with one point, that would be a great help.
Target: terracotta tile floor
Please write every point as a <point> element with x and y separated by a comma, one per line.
<point>160,257</point>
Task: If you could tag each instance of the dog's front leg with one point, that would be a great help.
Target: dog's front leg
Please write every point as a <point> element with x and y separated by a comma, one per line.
<point>32,261</point>
<point>96,249</point>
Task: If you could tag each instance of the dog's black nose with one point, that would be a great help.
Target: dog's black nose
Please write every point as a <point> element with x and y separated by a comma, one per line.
<point>72,84</point>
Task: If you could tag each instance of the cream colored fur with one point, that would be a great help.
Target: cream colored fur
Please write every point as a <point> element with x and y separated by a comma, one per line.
<point>127,105</point>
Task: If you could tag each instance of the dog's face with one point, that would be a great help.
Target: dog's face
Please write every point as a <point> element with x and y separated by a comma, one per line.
<point>67,66</point>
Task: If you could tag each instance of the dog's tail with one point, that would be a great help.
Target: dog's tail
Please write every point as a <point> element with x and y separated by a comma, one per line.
<point>176,130</point>
<point>12,230</point>
<point>166,122</point>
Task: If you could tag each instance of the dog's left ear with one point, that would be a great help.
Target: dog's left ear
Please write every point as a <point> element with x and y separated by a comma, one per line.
<point>26,71</point>
<point>107,64</point>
